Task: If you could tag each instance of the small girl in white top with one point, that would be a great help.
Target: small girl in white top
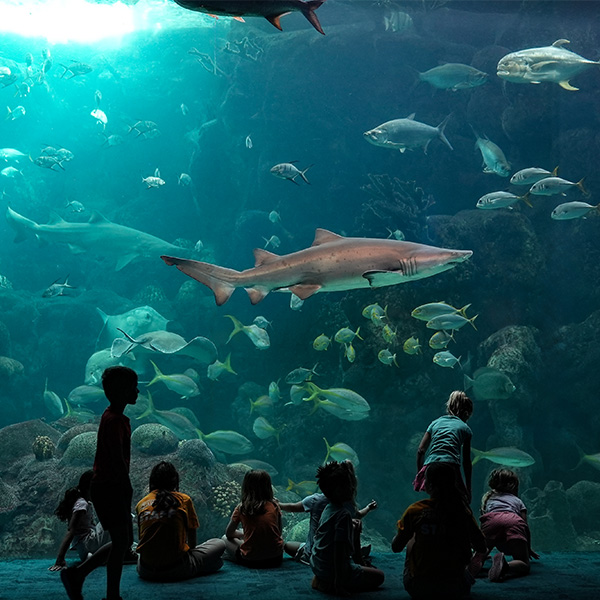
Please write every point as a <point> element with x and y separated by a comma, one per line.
<point>504,526</point>
<point>83,534</point>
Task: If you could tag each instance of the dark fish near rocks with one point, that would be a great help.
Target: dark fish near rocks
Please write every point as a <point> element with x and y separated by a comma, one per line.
<point>272,10</point>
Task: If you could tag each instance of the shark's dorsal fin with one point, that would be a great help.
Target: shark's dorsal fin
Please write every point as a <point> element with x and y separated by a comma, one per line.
<point>98,218</point>
<point>55,219</point>
<point>323,236</point>
<point>561,42</point>
<point>411,117</point>
<point>263,257</point>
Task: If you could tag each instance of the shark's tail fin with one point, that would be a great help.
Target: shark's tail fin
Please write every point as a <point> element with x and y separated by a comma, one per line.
<point>219,279</point>
<point>23,226</point>
<point>308,10</point>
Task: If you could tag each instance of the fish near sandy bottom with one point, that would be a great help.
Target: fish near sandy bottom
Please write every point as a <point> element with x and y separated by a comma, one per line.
<point>272,10</point>
<point>332,263</point>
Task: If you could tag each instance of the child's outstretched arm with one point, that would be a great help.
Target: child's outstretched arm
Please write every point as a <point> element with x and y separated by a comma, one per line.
<point>363,512</point>
<point>74,525</point>
<point>290,506</point>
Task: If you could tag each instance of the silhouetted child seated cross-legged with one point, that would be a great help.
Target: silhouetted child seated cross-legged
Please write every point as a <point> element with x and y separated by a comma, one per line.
<point>331,559</point>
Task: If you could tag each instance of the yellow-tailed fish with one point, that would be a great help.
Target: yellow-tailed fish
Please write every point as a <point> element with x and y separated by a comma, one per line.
<point>386,357</point>
<point>412,346</point>
<point>321,343</point>
<point>218,368</point>
<point>177,382</point>
<point>507,456</point>
<point>350,352</point>
<point>302,488</point>
<point>258,336</point>
<point>388,334</point>
<point>180,425</point>
<point>300,375</point>
<point>426,312</point>
<point>274,392</point>
<point>345,335</point>
<point>264,430</point>
<point>446,359</point>
<point>263,405</point>
<point>450,321</point>
<point>226,441</point>
<point>440,340</point>
<point>340,452</point>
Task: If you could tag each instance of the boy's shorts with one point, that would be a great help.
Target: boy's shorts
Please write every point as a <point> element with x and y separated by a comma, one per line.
<point>112,504</point>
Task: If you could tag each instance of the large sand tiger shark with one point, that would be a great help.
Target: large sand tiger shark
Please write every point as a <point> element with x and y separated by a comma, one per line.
<point>98,235</point>
<point>332,263</point>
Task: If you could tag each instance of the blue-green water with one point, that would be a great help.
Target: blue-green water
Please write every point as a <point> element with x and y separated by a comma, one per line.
<point>252,98</point>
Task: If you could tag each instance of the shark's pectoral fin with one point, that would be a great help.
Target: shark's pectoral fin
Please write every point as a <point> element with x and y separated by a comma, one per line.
<point>304,291</point>
<point>383,278</point>
<point>274,19</point>
<point>124,260</point>
<point>256,294</point>
<point>76,249</point>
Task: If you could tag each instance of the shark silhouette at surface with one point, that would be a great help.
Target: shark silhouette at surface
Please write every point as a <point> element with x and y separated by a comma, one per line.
<point>332,263</point>
<point>99,236</point>
<point>272,10</point>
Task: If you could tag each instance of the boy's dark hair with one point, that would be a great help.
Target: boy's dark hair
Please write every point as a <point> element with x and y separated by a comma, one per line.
<point>114,379</point>
<point>164,478</point>
<point>82,489</point>
<point>257,489</point>
<point>337,481</point>
<point>441,485</point>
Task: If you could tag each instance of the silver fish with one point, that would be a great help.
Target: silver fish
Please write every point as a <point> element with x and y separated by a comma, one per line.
<point>494,160</point>
<point>549,63</point>
<point>572,210</point>
<point>454,76</point>
<point>290,172</point>
<point>531,175</point>
<point>406,134</point>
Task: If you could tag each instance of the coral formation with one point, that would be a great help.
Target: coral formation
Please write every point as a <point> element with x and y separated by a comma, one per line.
<point>197,453</point>
<point>43,447</point>
<point>153,438</point>
<point>81,450</point>
<point>225,497</point>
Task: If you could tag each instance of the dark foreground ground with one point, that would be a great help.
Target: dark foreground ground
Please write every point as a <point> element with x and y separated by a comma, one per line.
<point>557,576</point>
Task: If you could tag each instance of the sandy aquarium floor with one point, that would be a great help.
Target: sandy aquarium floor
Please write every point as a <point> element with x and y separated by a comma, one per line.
<point>556,576</point>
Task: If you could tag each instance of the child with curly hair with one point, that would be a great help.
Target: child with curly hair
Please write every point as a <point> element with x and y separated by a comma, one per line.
<point>331,561</point>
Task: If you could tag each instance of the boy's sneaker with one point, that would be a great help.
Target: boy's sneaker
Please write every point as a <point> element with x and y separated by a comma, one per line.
<point>498,568</point>
<point>73,583</point>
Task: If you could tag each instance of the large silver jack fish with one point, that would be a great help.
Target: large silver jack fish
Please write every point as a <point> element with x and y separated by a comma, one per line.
<point>272,10</point>
<point>98,235</point>
<point>333,263</point>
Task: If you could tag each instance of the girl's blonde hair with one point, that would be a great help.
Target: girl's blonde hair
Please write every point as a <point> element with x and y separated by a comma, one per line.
<point>459,405</point>
<point>257,490</point>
